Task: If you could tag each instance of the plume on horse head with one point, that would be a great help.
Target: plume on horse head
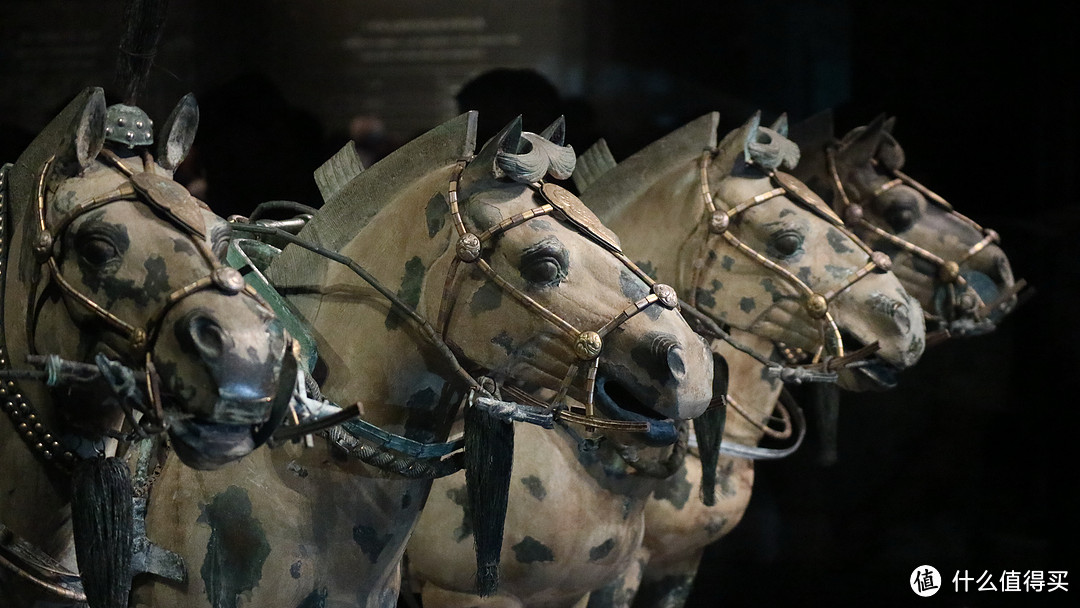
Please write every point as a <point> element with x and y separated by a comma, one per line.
<point>764,146</point>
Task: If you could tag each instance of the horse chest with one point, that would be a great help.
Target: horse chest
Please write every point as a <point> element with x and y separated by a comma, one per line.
<point>276,528</point>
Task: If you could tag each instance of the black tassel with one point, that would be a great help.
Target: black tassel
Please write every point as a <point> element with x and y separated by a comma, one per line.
<point>709,430</point>
<point>826,400</point>
<point>103,524</point>
<point>144,21</point>
<point>489,457</point>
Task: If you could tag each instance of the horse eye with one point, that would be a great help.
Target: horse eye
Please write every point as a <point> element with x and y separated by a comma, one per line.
<point>900,217</point>
<point>542,271</point>
<point>786,244</point>
<point>97,250</point>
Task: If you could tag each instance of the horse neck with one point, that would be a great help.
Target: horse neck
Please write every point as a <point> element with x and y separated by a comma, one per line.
<point>374,355</point>
<point>33,496</point>
<point>656,227</point>
<point>755,394</point>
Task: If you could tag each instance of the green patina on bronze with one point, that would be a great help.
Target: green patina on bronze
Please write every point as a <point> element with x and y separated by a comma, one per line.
<point>236,550</point>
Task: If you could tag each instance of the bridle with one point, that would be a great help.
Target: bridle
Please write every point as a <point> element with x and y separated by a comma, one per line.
<point>170,201</point>
<point>587,344</point>
<point>948,271</point>
<point>784,185</point>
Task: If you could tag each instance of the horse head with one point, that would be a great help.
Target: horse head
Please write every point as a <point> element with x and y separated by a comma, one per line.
<point>756,250</point>
<point>951,264</point>
<point>113,258</point>
<point>573,297</point>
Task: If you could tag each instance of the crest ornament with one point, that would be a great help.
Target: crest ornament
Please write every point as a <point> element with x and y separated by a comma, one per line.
<point>128,125</point>
<point>171,198</point>
<point>580,215</point>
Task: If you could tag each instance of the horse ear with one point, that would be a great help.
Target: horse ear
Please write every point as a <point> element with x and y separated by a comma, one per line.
<point>85,137</point>
<point>781,125</point>
<point>863,146</point>
<point>178,133</point>
<point>749,132</point>
<point>889,152</point>
<point>556,132</point>
<point>506,141</point>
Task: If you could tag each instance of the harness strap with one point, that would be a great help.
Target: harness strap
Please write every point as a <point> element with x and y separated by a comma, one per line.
<point>752,452</point>
<point>38,568</point>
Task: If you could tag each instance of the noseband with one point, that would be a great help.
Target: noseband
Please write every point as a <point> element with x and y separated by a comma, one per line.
<point>948,271</point>
<point>587,344</point>
<point>784,185</point>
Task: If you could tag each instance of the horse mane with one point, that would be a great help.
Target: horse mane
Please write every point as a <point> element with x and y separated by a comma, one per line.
<point>593,163</point>
<point>814,133</point>
<point>352,205</point>
<point>629,180</point>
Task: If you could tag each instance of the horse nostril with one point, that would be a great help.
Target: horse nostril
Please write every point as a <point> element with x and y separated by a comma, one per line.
<point>902,316</point>
<point>207,336</point>
<point>667,350</point>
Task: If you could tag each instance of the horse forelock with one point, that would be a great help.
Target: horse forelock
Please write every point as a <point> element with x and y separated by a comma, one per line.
<point>541,158</point>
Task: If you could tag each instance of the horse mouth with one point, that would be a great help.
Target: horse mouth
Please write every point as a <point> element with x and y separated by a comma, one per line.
<point>209,445</point>
<point>618,401</point>
<point>873,374</point>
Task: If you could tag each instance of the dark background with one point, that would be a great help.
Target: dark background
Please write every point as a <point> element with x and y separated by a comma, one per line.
<point>968,464</point>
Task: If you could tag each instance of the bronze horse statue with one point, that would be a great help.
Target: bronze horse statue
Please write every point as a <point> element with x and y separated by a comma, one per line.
<point>111,277</point>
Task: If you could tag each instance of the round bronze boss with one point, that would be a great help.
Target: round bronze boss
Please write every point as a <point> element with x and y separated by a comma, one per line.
<point>881,260</point>
<point>468,247</point>
<point>43,245</point>
<point>949,272</point>
<point>228,280</point>
<point>587,346</point>
<point>719,222</point>
<point>666,295</point>
<point>853,214</point>
<point>817,306</point>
